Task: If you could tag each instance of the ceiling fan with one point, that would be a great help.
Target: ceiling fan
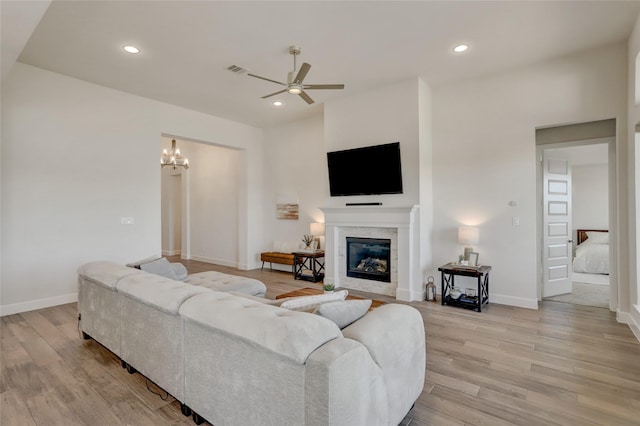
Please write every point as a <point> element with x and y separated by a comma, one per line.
<point>294,81</point>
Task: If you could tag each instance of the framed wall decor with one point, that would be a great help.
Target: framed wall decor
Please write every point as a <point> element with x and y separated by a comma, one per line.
<point>287,207</point>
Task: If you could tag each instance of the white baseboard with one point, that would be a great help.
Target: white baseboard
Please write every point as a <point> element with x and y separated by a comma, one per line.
<point>215,261</point>
<point>519,302</point>
<point>627,318</point>
<point>171,252</point>
<point>32,305</point>
<point>409,296</point>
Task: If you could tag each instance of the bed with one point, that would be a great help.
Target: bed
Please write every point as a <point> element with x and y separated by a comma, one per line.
<point>592,253</point>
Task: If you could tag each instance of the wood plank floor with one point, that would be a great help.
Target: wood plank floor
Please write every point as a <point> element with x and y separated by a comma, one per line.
<point>561,365</point>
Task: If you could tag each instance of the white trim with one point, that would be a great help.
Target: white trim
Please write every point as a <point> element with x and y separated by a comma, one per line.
<point>627,318</point>
<point>32,305</point>
<point>519,302</point>
<point>215,261</point>
<point>171,252</point>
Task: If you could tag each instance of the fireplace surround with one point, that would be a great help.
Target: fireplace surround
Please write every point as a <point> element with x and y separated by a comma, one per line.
<point>398,224</point>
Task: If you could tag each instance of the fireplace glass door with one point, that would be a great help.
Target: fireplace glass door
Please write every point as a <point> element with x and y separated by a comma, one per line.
<point>369,258</point>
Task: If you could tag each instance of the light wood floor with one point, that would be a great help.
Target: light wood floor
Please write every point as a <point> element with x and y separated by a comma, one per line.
<point>561,365</point>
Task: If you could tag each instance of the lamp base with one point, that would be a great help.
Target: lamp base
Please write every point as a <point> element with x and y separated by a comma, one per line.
<point>467,250</point>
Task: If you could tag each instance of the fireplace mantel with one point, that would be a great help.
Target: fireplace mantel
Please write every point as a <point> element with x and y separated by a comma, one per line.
<point>401,220</point>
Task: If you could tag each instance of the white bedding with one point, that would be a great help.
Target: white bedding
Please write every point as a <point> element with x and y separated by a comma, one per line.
<point>592,258</point>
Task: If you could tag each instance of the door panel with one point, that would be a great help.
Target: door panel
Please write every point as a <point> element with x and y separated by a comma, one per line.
<point>557,252</point>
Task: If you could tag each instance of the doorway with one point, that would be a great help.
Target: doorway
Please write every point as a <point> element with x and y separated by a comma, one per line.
<point>200,206</point>
<point>589,152</point>
<point>589,274</point>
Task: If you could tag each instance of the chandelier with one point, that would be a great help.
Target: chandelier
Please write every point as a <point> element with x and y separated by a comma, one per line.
<point>173,158</point>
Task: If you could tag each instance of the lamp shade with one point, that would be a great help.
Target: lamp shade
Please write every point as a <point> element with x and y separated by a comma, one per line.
<point>317,229</point>
<point>468,235</point>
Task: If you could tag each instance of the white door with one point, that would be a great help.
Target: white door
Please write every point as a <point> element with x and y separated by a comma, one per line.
<point>557,243</point>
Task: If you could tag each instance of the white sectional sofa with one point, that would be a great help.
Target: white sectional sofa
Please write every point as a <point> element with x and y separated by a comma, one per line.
<point>235,360</point>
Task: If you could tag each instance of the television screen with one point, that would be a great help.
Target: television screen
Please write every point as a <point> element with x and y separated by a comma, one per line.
<point>370,170</point>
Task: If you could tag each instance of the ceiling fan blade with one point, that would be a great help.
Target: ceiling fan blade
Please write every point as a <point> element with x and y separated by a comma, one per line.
<point>324,86</point>
<point>273,94</point>
<point>304,69</point>
<point>267,79</point>
<point>306,98</point>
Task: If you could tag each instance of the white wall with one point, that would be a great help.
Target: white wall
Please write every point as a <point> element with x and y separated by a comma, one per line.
<point>484,156</point>
<point>171,211</point>
<point>296,167</point>
<point>76,157</point>
<point>590,196</point>
<point>629,310</point>
<point>380,116</point>
<point>213,203</point>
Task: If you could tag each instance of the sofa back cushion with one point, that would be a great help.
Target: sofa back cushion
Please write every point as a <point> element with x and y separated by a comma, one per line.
<point>287,246</point>
<point>159,292</point>
<point>106,274</point>
<point>291,334</point>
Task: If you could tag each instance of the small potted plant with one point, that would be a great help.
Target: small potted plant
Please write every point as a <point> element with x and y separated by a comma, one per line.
<point>328,288</point>
<point>307,239</point>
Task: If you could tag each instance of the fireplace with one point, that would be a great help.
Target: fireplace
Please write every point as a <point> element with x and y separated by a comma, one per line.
<point>369,258</point>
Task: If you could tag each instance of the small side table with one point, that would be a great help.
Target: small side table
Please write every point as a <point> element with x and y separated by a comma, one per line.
<point>448,273</point>
<point>308,266</point>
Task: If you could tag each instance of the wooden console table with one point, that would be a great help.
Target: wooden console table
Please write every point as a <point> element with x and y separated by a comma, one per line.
<point>448,273</point>
<point>308,265</point>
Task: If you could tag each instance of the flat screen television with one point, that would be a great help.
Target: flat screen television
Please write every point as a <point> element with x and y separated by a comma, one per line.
<point>371,170</point>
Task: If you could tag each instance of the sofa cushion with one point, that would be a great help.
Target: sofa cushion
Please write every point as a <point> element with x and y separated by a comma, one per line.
<point>293,335</point>
<point>344,312</point>
<point>224,282</point>
<point>309,303</point>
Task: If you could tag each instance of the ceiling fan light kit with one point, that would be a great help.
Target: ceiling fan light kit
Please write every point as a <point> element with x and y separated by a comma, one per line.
<point>294,84</point>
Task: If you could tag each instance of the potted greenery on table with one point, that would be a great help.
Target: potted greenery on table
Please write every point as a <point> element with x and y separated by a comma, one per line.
<point>328,288</point>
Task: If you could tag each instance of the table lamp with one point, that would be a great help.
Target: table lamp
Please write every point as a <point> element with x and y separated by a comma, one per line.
<point>467,236</point>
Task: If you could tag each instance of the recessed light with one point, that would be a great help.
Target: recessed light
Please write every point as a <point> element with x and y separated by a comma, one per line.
<point>278,103</point>
<point>131,49</point>
<point>460,48</point>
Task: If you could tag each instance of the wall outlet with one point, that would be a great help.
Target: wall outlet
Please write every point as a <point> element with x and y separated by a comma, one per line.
<point>515,221</point>
<point>126,221</point>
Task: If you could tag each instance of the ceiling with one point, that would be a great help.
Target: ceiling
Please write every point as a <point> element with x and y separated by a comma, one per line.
<point>187,46</point>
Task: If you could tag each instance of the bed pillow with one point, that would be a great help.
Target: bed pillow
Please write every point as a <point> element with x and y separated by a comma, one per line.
<point>160,267</point>
<point>344,312</point>
<point>595,237</point>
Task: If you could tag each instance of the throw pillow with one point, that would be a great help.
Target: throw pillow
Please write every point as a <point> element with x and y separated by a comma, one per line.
<point>308,303</point>
<point>179,271</point>
<point>140,262</point>
<point>159,267</point>
<point>344,312</point>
